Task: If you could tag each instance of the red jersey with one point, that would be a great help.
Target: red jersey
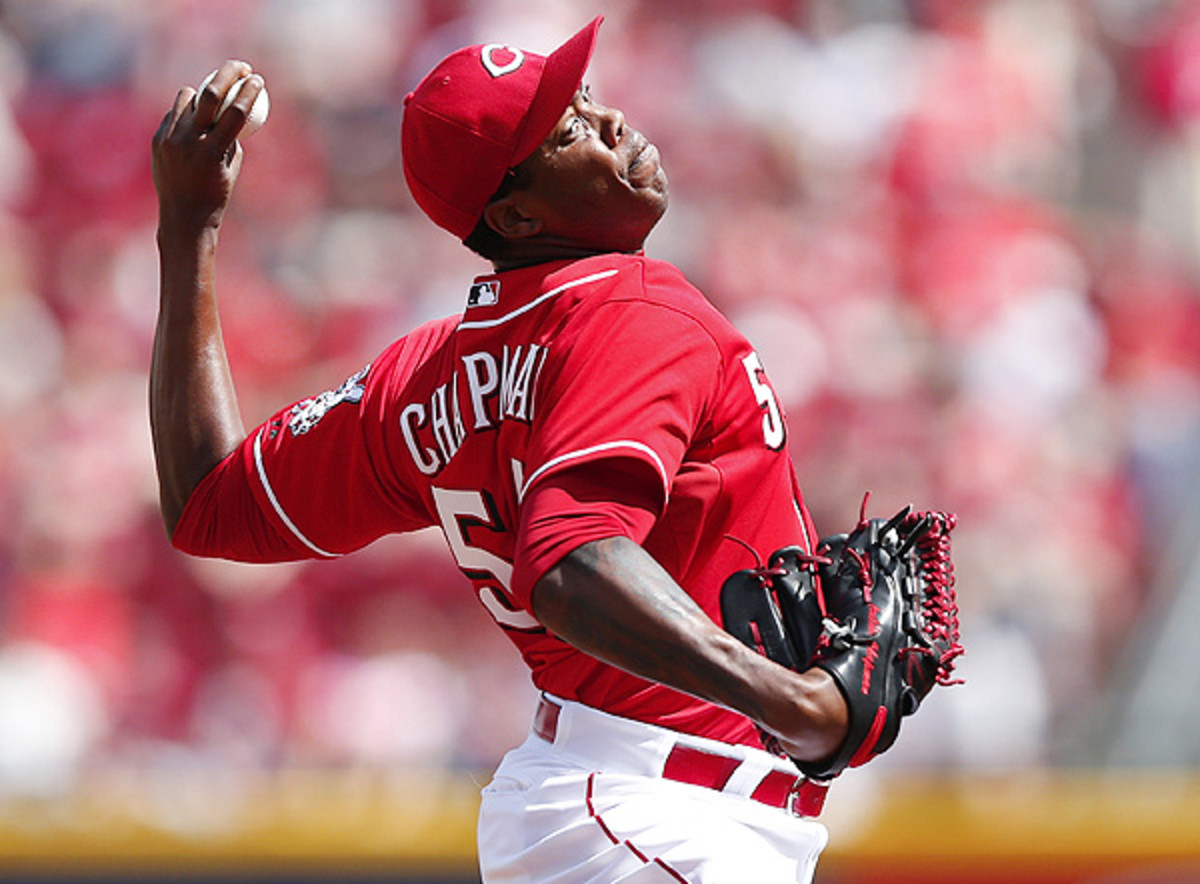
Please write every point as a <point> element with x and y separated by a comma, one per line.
<point>552,371</point>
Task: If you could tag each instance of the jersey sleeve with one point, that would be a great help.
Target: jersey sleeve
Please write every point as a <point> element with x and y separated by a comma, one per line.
<point>628,397</point>
<point>576,506</point>
<point>305,484</point>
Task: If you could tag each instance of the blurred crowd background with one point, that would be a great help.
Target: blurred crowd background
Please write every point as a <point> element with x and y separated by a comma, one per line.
<point>963,236</point>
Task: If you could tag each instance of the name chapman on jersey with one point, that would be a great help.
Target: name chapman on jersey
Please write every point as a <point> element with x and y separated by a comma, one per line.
<point>498,387</point>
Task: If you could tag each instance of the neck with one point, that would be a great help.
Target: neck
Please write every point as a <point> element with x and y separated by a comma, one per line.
<point>525,253</point>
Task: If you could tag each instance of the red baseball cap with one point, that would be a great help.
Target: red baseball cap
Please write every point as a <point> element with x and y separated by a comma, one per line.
<point>480,112</point>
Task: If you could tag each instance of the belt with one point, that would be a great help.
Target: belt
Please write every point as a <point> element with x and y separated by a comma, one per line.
<point>700,767</point>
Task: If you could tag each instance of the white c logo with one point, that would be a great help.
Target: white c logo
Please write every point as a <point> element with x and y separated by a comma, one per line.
<point>496,69</point>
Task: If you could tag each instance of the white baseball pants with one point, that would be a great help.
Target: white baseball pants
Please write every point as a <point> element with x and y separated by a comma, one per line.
<point>590,798</point>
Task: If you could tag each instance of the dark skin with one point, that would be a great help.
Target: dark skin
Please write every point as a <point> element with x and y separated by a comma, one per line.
<point>194,416</point>
<point>595,185</point>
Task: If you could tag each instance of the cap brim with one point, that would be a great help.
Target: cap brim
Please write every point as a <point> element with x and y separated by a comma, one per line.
<point>561,77</point>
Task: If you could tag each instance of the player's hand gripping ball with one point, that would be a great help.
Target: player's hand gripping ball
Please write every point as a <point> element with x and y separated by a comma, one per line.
<point>258,111</point>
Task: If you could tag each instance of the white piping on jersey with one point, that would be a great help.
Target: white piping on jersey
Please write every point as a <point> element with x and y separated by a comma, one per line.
<point>266,484</point>
<point>604,446</point>
<point>803,525</point>
<point>518,474</point>
<point>490,323</point>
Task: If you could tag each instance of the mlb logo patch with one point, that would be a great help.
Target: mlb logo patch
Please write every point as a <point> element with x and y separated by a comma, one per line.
<point>484,294</point>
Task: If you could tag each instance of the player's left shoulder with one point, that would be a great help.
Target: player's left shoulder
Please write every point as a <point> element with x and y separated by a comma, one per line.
<point>665,285</point>
<point>653,281</point>
<point>642,289</point>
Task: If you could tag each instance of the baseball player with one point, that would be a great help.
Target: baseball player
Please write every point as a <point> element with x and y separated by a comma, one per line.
<point>599,445</point>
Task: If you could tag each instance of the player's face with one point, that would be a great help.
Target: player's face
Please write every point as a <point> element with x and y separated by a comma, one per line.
<point>595,181</point>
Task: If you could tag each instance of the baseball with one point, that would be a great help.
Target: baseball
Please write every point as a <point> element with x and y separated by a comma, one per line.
<point>258,111</point>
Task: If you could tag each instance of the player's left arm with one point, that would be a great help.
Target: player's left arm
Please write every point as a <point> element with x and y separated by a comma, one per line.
<point>612,600</point>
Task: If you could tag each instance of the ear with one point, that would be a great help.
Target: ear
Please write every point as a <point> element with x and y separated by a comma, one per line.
<point>507,217</point>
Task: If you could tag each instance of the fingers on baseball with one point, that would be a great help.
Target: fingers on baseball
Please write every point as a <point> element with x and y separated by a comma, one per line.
<point>217,116</point>
<point>235,115</point>
<point>211,92</point>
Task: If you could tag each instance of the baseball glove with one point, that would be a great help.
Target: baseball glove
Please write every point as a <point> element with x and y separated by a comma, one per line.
<point>875,608</point>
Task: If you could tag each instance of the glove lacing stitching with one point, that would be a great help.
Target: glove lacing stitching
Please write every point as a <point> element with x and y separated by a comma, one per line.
<point>765,572</point>
<point>940,602</point>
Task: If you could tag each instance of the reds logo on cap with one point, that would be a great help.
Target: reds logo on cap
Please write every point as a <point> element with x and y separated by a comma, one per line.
<point>499,68</point>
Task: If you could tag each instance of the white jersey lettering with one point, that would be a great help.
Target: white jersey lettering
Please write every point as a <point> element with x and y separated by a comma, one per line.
<point>444,418</point>
<point>411,419</point>
<point>516,391</point>
<point>482,381</point>
<point>497,389</point>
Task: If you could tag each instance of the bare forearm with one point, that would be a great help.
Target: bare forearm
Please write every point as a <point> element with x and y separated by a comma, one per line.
<point>610,599</point>
<point>194,416</point>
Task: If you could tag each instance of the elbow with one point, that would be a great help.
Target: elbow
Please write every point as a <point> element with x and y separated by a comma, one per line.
<point>173,499</point>
<point>171,503</point>
<point>176,488</point>
<point>170,517</point>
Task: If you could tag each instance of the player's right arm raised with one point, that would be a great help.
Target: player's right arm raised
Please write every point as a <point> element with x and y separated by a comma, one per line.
<point>194,416</point>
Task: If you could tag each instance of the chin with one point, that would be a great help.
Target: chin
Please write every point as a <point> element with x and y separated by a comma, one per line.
<point>660,209</point>
<point>636,240</point>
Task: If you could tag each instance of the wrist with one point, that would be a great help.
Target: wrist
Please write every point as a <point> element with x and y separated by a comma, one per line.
<point>186,228</point>
<point>186,250</point>
<point>816,720</point>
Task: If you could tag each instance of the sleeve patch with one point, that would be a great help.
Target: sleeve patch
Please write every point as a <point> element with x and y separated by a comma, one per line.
<point>307,413</point>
